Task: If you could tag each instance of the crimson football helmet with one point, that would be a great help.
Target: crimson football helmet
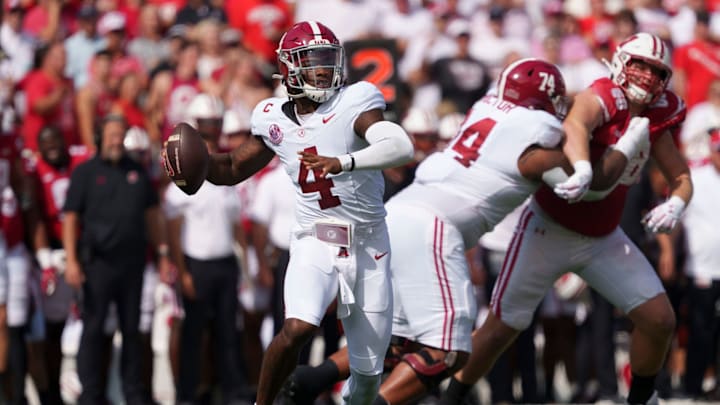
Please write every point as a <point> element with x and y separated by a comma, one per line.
<point>641,86</point>
<point>535,84</point>
<point>311,61</point>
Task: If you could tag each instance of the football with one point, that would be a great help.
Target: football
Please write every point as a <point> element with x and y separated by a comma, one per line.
<point>185,158</point>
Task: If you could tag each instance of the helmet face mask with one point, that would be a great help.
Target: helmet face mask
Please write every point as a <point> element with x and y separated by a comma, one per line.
<point>535,84</point>
<point>311,61</point>
<point>641,66</point>
<point>561,105</point>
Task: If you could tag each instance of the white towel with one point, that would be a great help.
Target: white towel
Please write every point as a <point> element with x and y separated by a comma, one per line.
<point>346,267</point>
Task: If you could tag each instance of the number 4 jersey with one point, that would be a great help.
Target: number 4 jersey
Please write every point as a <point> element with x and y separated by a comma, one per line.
<point>354,196</point>
<point>475,182</point>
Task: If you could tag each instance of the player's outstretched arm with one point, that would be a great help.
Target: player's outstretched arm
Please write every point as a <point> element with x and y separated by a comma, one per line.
<point>584,116</point>
<point>240,163</point>
<point>664,217</point>
<point>389,146</point>
<point>623,162</point>
<point>552,167</point>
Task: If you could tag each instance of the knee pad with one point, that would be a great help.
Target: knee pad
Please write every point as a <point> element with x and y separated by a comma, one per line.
<point>360,388</point>
<point>428,370</point>
<point>399,346</point>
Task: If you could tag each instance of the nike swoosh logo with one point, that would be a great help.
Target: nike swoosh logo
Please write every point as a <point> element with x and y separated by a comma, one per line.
<point>380,256</point>
<point>328,118</point>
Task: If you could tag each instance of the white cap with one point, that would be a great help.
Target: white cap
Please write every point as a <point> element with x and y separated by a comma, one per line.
<point>458,27</point>
<point>204,106</point>
<point>420,121</point>
<point>235,121</point>
<point>450,125</point>
<point>136,139</point>
<point>111,21</point>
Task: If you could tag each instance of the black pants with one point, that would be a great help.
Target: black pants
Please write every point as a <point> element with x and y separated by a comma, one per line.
<point>278,302</point>
<point>702,336</point>
<point>595,349</point>
<point>215,284</point>
<point>519,357</point>
<point>120,282</point>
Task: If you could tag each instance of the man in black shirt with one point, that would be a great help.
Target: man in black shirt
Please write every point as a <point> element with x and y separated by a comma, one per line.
<point>110,211</point>
<point>462,79</point>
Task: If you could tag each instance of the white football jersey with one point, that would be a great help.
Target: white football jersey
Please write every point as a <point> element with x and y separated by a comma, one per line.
<point>354,196</point>
<point>475,182</point>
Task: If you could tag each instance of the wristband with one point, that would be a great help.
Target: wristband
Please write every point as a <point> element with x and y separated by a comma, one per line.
<point>582,166</point>
<point>677,203</point>
<point>347,162</point>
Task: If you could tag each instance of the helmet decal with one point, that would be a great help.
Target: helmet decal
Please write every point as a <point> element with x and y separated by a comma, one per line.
<point>535,84</point>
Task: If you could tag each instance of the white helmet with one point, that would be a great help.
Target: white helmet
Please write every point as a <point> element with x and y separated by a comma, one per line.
<point>235,121</point>
<point>450,125</point>
<point>136,139</point>
<point>420,121</point>
<point>204,106</point>
<point>569,286</point>
<point>640,87</point>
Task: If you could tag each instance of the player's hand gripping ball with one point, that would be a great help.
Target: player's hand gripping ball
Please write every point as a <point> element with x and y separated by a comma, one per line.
<point>185,158</point>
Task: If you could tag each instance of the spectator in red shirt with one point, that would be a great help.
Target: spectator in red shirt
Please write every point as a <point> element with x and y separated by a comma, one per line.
<point>700,59</point>
<point>94,99</point>
<point>597,27</point>
<point>112,26</point>
<point>49,97</point>
<point>262,23</point>
<point>126,104</point>
<point>45,22</point>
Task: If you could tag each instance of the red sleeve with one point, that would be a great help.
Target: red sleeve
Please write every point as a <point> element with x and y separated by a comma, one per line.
<point>668,113</point>
<point>680,58</point>
<point>36,87</point>
<point>586,25</point>
<point>235,11</point>
<point>611,97</point>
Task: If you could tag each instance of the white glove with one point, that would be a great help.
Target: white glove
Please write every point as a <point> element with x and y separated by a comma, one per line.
<point>635,145</point>
<point>664,217</point>
<point>635,138</point>
<point>634,168</point>
<point>575,187</point>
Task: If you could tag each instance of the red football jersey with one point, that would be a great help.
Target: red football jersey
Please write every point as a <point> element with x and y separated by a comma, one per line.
<point>179,97</point>
<point>52,188</point>
<point>599,218</point>
<point>700,61</point>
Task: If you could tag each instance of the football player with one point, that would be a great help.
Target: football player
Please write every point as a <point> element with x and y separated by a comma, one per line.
<point>508,143</point>
<point>554,237</point>
<point>51,175</point>
<point>332,141</point>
